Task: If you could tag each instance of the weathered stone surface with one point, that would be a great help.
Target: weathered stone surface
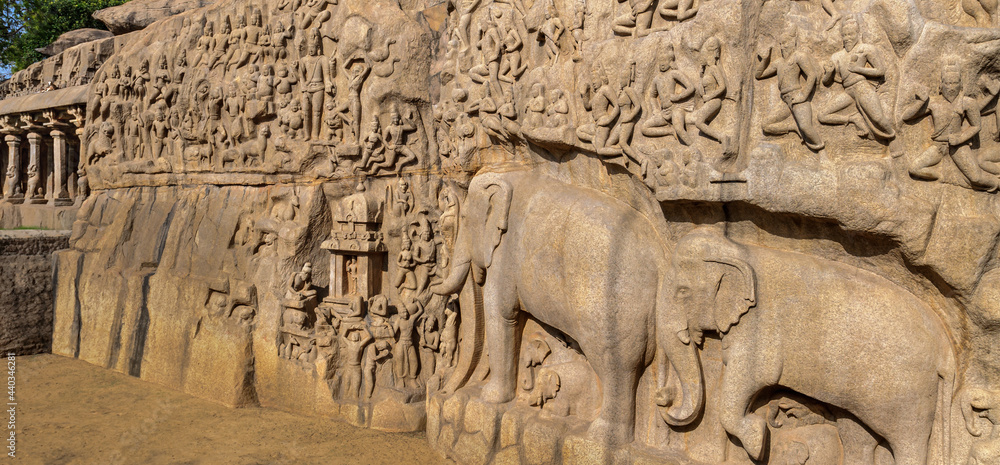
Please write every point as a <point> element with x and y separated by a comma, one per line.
<point>26,260</point>
<point>137,14</point>
<point>656,230</point>
<point>73,38</point>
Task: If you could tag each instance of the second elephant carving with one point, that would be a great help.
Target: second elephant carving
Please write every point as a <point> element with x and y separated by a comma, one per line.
<point>833,332</point>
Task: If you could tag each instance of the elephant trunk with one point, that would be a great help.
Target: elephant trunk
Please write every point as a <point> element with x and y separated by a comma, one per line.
<point>456,278</point>
<point>683,357</point>
<point>461,263</point>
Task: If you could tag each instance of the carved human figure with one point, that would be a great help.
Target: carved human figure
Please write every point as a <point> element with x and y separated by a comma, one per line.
<point>127,82</point>
<point>334,122</point>
<point>205,46</point>
<point>679,10</point>
<point>161,82</point>
<point>180,69</point>
<point>949,110</point>
<point>284,84</point>
<point>279,39</point>
<point>372,150</point>
<point>466,8</point>
<point>160,134</point>
<point>293,120</point>
<point>384,335</point>
<point>351,271</point>
<point>406,281</point>
<point>535,108</point>
<point>134,146</point>
<point>358,73</point>
<point>234,105</point>
<point>265,89</point>
<point>397,153</point>
<point>353,344</point>
<point>508,114</point>
<point>430,339</point>
<point>403,199</point>
<point>636,19</point>
<point>797,76</point>
<point>550,32</point>
<point>629,106</point>
<point>603,107</point>
<point>251,36</point>
<point>299,285</point>
<point>221,44</point>
<point>577,30</point>
<point>316,10</point>
<point>424,255</point>
<point>491,47</point>
<point>314,75</point>
<point>237,43</point>
<point>855,67</point>
<point>670,98</point>
<point>488,116</point>
<point>557,112</point>
<point>449,336</point>
<point>511,63</point>
<point>406,360</point>
<point>141,81</point>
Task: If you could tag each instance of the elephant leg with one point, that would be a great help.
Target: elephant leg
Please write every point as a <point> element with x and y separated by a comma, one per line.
<point>616,423</point>
<point>859,445</point>
<point>500,308</point>
<point>910,435</point>
<point>737,391</point>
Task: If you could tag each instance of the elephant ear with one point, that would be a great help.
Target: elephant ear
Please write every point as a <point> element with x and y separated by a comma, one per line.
<point>736,292</point>
<point>497,194</point>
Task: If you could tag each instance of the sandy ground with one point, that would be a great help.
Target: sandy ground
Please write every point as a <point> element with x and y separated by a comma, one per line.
<point>71,412</point>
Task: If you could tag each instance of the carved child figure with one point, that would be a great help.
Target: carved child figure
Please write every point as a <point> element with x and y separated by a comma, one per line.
<point>430,340</point>
<point>449,336</point>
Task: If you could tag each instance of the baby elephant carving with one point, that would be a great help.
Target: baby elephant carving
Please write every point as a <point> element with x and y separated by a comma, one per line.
<point>981,409</point>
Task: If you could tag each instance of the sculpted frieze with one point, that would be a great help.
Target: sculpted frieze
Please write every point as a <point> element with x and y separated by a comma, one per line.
<point>634,231</point>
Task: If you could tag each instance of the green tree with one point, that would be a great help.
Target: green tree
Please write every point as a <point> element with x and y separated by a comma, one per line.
<point>29,24</point>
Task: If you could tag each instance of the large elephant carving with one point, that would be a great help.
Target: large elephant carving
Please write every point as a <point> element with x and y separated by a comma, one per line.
<point>578,260</point>
<point>833,332</point>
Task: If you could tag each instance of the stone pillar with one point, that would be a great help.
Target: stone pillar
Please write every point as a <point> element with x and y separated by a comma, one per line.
<point>35,168</point>
<point>59,195</point>
<point>72,160</point>
<point>82,189</point>
<point>46,169</point>
<point>12,189</point>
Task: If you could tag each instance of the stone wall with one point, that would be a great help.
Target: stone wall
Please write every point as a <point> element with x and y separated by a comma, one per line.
<point>647,231</point>
<point>26,296</point>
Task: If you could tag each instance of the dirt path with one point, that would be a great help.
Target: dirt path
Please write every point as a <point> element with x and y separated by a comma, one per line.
<point>71,412</point>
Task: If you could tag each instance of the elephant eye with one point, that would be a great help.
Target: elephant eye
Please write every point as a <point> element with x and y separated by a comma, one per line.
<point>683,292</point>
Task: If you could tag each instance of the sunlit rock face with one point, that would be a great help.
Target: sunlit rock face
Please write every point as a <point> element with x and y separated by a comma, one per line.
<point>559,230</point>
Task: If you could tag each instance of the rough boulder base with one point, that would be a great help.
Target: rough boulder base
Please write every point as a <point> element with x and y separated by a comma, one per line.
<point>26,298</point>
